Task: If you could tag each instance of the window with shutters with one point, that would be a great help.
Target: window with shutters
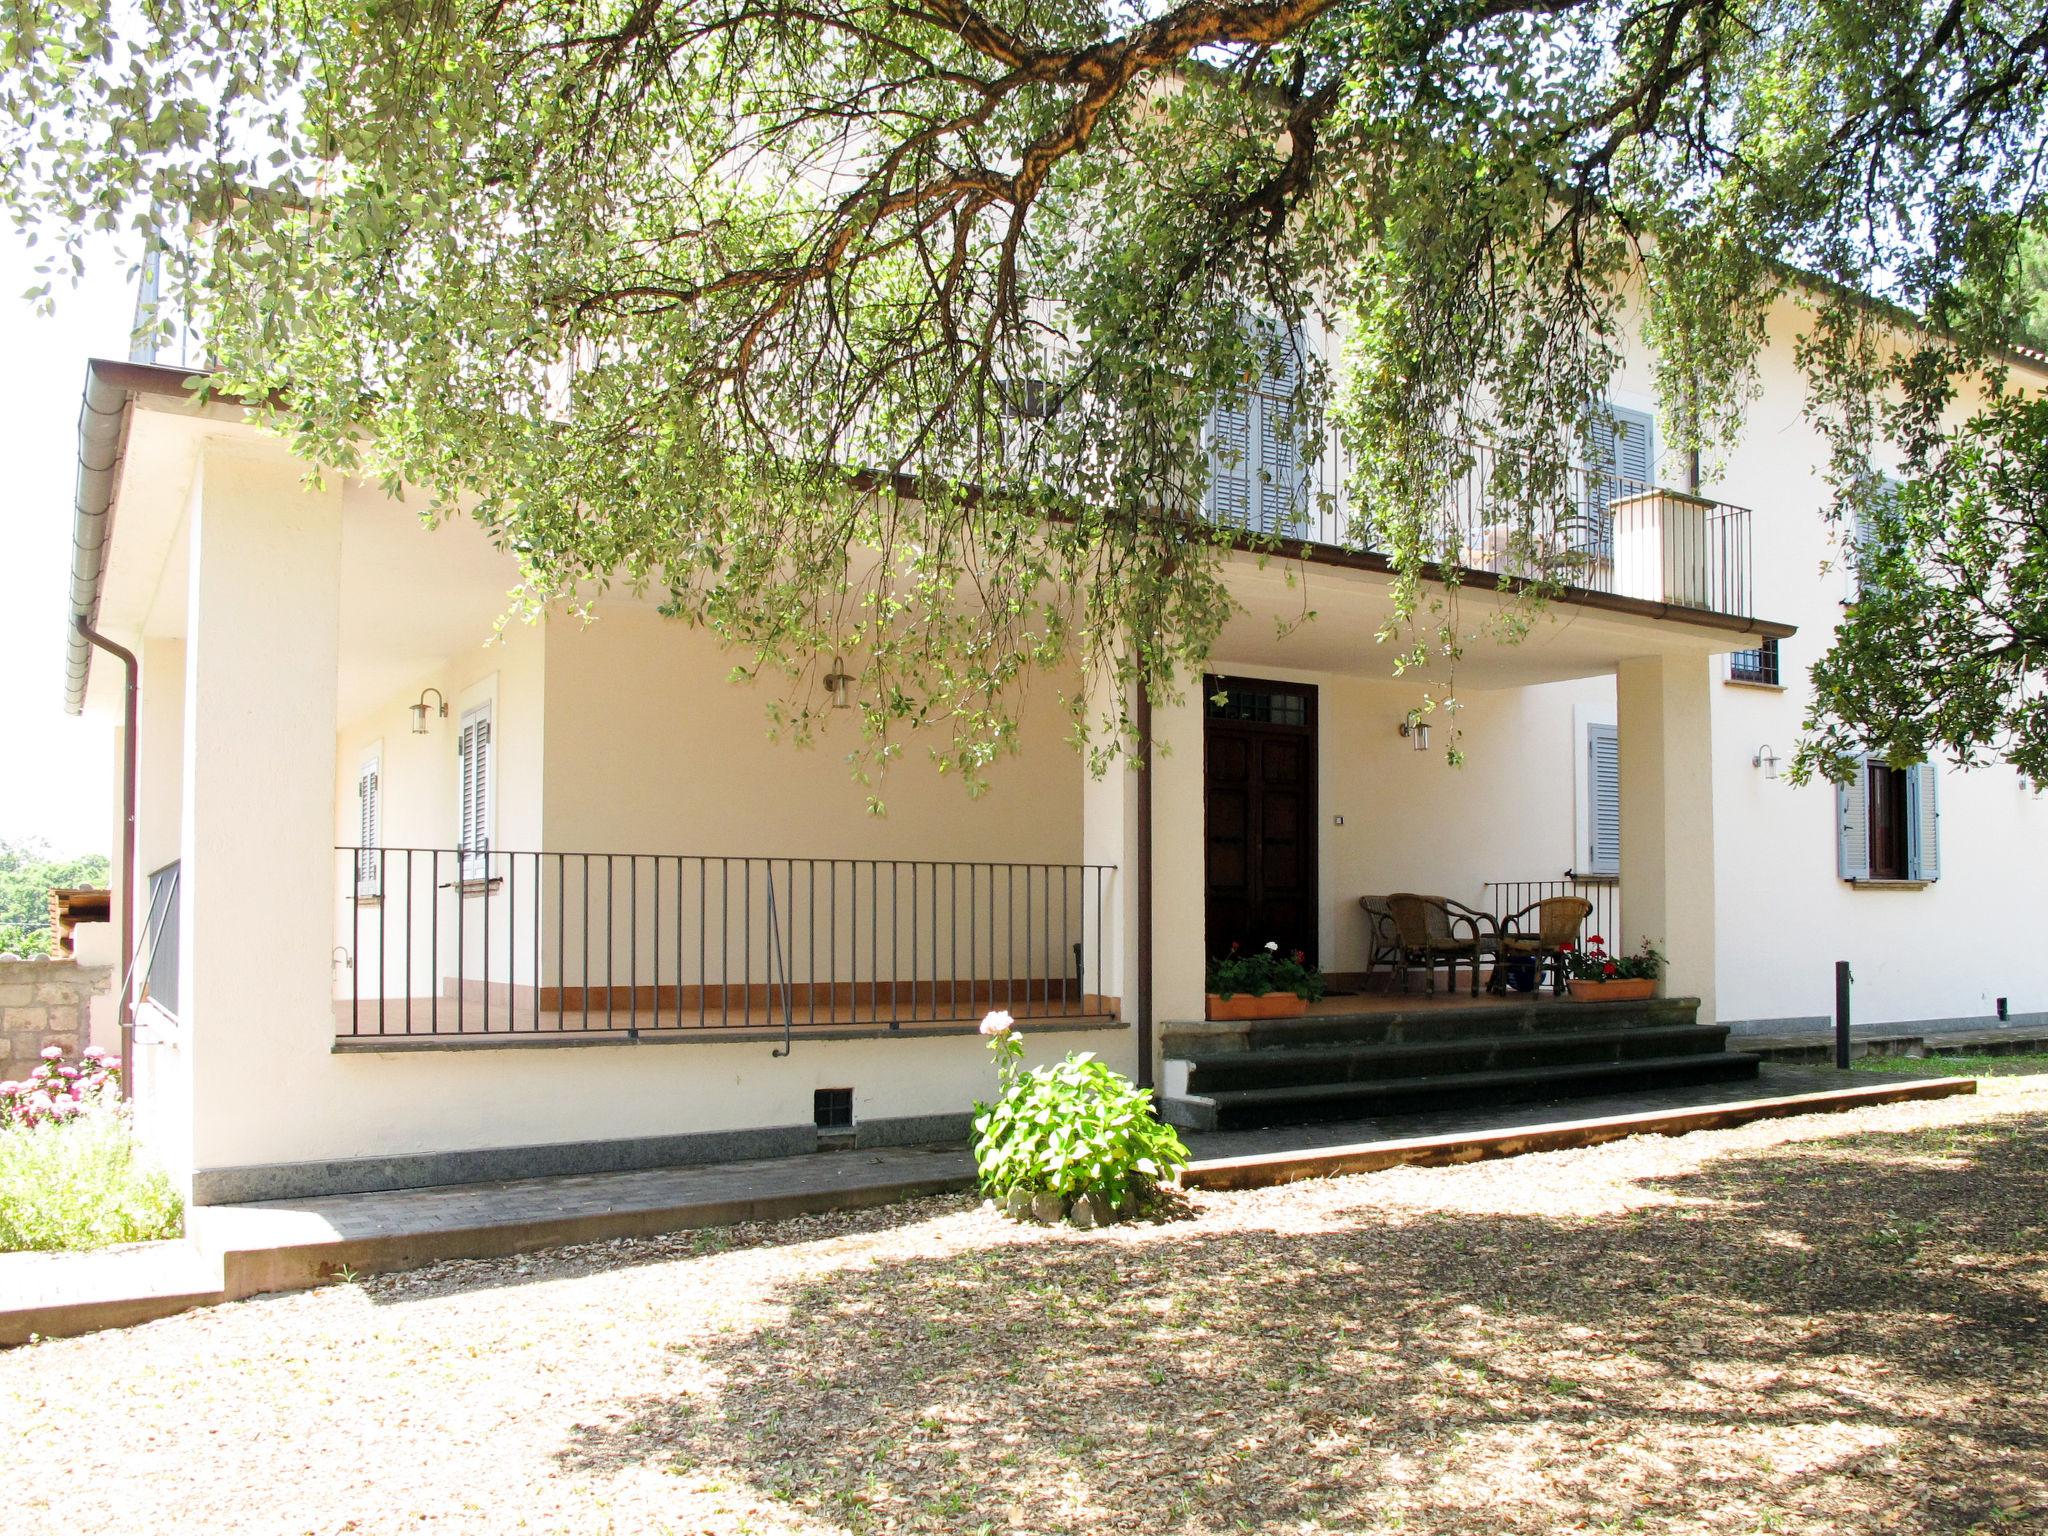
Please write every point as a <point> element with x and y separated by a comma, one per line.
<point>1620,462</point>
<point>1865,538</point>
<point>1601,854</point>
<point>474,791</point>
<point>1888,824</point>
<point>1258,479</point>
<point>370,824</point>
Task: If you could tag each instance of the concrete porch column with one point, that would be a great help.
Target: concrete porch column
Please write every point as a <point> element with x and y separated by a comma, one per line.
<point>1664,722</point>
<point>1110,836</point>
<point>258,880</point>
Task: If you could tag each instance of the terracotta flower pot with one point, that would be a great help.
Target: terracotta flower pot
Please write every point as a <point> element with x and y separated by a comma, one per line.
<point>1632,990</point>
<point>1242,1005</point>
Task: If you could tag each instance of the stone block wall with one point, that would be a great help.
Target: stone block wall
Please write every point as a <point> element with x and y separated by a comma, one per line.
<point>45,1002</point>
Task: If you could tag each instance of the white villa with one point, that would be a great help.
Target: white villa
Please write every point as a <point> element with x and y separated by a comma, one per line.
<point>417,906</point>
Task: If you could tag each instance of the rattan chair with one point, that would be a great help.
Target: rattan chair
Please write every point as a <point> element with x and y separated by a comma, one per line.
<point>1382,938</point>
<point>1431,930</point>
<point>1558,921</point>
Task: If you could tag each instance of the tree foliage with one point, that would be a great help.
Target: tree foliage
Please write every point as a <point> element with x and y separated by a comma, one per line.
<point>880,330</point>
<point>28,873</point>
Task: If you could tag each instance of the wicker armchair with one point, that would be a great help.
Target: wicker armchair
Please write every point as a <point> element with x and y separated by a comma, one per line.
<point>1431,931</point>
<point>1557,924</point>
<point>1383,939</point>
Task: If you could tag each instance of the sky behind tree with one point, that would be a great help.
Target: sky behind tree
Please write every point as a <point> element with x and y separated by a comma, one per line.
<point>56,772</point>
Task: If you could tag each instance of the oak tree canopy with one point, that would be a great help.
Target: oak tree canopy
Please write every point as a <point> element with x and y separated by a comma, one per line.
<point>885,329</point>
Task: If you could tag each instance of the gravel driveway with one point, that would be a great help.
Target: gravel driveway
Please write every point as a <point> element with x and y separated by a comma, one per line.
<point>1831,1324</point>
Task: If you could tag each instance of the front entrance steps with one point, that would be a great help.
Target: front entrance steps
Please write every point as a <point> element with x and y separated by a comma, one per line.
<point>1391,1060</point>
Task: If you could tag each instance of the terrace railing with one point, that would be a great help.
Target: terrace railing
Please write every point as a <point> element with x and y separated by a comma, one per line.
<point>1596,530</point>
<point>465,942</point>
<point>1505,896</point>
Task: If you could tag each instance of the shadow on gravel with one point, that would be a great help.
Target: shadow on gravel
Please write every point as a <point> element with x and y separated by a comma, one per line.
<point>1842,1335</point>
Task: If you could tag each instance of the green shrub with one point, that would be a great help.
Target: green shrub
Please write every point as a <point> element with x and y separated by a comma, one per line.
<point>81,1182</point>
<point>1070,1129</point>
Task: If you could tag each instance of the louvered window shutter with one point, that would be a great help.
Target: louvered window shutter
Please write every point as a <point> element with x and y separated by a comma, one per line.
<point>1603,800</point>
<point>1923,825</point>
<point>1852,825</point>
<point>473,748</point>
<point>1230,464</point>
<point>1257,478</point>
<point>368,834</point>
<point>1619,458</point>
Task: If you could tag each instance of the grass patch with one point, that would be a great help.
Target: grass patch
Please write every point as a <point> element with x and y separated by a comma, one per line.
<point>81,1183</point>
<point>1956,1066</point>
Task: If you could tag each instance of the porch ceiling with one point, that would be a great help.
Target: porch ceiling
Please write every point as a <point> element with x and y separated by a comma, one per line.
<point>1320,618</point>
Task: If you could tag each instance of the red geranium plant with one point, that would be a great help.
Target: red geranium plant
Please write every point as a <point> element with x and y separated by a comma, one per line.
<point>1594,963</point>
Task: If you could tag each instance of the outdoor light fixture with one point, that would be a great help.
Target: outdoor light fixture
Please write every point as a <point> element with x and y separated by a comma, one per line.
<point>1417,731</point>
<point>839,685</point>
<point>1767,760</point>
<point>419,710</point>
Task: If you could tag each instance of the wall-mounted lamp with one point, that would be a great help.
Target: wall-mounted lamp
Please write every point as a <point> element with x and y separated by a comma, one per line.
<point>840,685</point>
<point>1417,732</point>
<point>1767,760</point>
<point>419,710</point>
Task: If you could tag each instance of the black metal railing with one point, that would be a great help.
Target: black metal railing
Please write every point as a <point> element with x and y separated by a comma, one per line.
<point>1604,922</point>
<point>449,941</point>
<point>155,961</point>
<point>1595,530</point>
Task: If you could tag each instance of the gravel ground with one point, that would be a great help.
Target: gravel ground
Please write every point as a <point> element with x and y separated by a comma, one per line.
<point>1831,1324</point>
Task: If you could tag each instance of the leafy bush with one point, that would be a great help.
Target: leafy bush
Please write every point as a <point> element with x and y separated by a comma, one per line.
<point>28,873</point>
<point>71,1174</point>
<point>81,1182</point>
<point>1070,1129</point>
<point>1263,971</point>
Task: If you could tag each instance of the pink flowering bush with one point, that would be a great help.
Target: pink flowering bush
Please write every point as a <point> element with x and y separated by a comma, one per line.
<point>71,1172</point>
<point>56,1090</point>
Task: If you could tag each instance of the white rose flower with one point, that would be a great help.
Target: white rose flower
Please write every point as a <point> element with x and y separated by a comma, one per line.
<point>997,1023</point>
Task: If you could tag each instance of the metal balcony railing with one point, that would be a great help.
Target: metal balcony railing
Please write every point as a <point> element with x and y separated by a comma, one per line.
<point>1596,531</point>
<point>467,942</point>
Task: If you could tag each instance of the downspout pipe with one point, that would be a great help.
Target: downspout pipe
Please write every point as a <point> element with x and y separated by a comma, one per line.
<point>132,693</point>
<point>102,423</point>
<point>1144,881</point>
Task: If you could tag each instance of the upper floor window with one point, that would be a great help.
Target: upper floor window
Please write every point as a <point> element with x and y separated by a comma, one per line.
<point>1888,823</point>
<point>1258,478</point>
<point>1620,462</point>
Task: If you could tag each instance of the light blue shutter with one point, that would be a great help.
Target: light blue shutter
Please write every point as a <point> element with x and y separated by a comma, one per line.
<point>1230,464</point>
<point>1619,459</point>
<point>1923,824</point>
<point>1603,800</point>
<point>1257,480</point>
<point>1852,825</point>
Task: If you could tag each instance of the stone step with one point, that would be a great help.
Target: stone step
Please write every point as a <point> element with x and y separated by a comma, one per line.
<point>1246,1108</point>
<point>1295,1065</point>
<point>1401,1026</point>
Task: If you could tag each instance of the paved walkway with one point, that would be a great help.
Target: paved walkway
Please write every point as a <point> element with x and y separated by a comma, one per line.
<point>240,1250</point>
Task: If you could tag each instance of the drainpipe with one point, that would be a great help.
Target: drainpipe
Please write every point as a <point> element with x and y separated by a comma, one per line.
<point>126,1014</point>
<point>1144,882</point>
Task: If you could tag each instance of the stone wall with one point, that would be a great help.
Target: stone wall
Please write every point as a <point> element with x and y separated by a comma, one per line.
<point>45,1002</point>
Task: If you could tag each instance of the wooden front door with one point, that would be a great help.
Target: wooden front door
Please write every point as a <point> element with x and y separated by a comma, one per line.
<point>1259,792</point>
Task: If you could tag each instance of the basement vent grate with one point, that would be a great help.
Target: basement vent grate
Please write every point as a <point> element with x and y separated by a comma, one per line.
<point>832,1108</point>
